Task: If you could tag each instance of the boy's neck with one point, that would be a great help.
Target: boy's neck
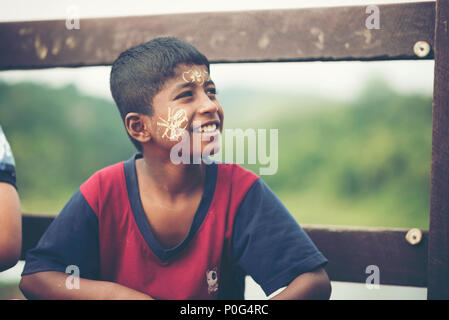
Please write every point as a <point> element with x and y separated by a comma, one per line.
<point>171,179</point>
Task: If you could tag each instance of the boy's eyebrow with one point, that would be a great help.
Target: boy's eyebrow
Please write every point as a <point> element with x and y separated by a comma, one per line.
<point>191,85</point>
<point>184,85</point>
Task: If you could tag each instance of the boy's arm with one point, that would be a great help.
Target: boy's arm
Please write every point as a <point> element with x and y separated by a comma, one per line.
<point>270,246</point>
<point>72,239</point>
<point>52,285</point>
<point>313,285</point>
<point>11,226</point>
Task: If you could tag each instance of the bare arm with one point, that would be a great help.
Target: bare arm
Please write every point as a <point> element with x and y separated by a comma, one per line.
<point>52,285</point>
<point>308,286</point>
<point>10,226</point>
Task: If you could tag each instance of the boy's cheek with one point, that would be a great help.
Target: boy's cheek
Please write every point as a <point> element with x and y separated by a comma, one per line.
<point>173,124</point>
<point>221,116</point>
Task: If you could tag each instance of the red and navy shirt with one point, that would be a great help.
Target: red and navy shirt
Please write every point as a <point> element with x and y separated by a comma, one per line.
<point>240,228</point>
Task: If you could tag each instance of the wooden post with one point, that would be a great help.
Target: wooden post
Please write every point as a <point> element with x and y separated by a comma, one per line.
<point>438,259</point>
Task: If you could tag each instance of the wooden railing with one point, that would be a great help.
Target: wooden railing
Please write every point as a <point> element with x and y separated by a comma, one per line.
<point>324,34</point>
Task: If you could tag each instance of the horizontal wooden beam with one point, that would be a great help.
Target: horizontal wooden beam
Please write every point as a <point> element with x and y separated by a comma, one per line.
<point>349,251</point>
<point>323,34</point>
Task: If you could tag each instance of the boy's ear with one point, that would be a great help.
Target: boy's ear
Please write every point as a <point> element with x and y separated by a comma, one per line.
<point>138,126</point>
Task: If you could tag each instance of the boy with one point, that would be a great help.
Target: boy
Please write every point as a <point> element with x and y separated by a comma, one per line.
<point>10,212</point>
<point>148,228</point>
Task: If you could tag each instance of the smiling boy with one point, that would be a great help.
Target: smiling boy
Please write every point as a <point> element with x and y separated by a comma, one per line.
<point>149,228</point>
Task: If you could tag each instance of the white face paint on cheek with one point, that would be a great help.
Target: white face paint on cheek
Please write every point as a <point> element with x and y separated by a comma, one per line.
<point>173,127</point>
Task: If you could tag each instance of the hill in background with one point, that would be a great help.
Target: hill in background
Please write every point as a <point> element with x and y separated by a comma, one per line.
<point>362,162</point>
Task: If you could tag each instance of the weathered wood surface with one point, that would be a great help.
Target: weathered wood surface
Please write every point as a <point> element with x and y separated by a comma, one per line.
<point>438,269</point>
<point>310,34</point>
<point>349,251</point>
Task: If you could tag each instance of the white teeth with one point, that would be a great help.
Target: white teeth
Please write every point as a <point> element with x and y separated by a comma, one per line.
<point>209,128</point>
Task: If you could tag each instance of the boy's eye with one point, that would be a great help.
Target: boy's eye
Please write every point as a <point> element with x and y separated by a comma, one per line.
<point>211,91</point>
<point>184,94</point>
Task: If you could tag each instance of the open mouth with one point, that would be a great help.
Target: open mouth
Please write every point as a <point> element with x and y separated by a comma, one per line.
<point>207,128</point>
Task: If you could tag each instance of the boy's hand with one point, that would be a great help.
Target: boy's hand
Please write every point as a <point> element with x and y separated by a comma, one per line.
<point>51,285</point>
<point>313,285</point>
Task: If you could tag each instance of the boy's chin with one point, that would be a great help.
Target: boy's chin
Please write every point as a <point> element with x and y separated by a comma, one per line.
<point>206,152</point>
<point>211,148</point>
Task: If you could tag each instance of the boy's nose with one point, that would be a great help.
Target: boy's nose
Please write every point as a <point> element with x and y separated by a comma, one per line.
<point>208,107</point>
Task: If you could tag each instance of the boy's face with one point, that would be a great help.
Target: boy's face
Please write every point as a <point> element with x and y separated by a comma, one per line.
<point>187,107</point>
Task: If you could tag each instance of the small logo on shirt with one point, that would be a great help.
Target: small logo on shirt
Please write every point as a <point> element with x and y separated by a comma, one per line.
<point>212,280</point>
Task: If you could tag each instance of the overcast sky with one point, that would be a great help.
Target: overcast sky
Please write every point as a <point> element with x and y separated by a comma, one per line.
<point>333,79</point>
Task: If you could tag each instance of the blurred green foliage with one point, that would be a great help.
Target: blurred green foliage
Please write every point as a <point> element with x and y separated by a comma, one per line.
<point>361,162</point>
<point>59,138</point>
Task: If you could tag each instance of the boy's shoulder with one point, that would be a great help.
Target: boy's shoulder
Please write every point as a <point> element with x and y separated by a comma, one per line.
<point>115,175</point>
<point>110,183</point>
<point>104,184</point>
<point>106,176</point>
<point>235,173</point>
<point>235,179</point>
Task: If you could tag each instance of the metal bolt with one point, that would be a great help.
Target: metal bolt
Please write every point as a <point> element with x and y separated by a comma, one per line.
<point>413,236</point>
<point>421,48</point>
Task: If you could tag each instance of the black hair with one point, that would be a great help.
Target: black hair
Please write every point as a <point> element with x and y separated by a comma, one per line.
<point>139,73</point>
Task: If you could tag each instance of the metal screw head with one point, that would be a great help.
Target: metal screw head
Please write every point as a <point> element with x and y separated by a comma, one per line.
<point>421,48</point>
<point>413,236</point>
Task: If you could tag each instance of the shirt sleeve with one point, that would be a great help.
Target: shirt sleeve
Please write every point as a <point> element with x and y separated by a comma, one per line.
<point>7,165</point>
<point>70,240</point>
<point>268,243</point>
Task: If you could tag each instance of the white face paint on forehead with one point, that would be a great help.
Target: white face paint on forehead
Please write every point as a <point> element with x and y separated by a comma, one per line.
<point>174,125</point>
<point>195,75</point>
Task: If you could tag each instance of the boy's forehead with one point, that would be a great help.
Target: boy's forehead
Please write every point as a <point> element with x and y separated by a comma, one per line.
<point>181,68</point>
<point>186,75</point>
<point>192,73</point>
